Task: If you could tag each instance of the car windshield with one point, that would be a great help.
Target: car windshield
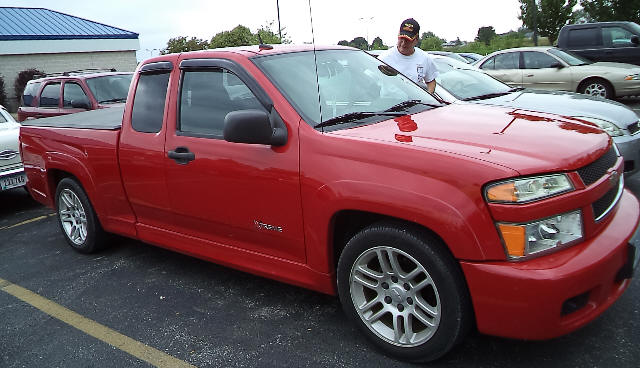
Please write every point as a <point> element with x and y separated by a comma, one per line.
<point>348,83</point>
<point>466,83</point>
<point>569,58</point>
<point>635,28</point>
<point>110,88</point>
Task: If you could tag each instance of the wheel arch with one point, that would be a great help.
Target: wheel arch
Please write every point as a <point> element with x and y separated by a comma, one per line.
<point>585,80</point>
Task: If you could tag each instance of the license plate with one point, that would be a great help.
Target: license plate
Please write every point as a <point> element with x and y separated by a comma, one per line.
<point>13,181</point>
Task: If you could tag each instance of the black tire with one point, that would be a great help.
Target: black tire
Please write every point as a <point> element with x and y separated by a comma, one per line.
<point>597,87</point>
<point>446,295</point>
<point>77,219</point>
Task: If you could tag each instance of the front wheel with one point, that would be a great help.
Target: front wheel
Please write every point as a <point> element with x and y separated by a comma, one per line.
<point>596,88</point>
<point>404,291</point>
<point>77,219</point>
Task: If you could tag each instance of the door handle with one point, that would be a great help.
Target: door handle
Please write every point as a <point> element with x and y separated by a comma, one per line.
<point>181,155</point>
<point>529,75</point>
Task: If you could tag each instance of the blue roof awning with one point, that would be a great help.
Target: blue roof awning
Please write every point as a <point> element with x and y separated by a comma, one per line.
<point>44,24</point>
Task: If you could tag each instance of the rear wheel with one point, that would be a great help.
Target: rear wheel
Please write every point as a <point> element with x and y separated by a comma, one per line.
<point>77,219</point>
<point>596,87</point>
<point>404,291</point>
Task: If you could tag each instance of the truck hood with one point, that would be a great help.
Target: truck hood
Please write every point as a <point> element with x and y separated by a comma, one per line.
<point>525,141</point>
<point>567,104</point>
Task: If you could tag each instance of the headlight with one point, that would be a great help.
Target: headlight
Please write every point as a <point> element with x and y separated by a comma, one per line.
<point>522,240</point>
<point>632,77</point>
<point>528,189</point>
<point>608,127</point>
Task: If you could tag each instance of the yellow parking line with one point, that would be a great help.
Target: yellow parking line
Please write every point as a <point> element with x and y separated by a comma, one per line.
<point>139,350</point>
<point>27,221</point>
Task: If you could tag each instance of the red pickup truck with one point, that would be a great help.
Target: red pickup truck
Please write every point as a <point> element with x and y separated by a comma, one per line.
<point>325,168</point>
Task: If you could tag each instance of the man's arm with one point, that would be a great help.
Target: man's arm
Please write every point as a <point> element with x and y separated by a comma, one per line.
<point>431,86</point>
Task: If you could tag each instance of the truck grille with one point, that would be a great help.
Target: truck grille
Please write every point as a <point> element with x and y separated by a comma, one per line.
<point>595,170</point>
<point>602,206</point>
<point>634,128</point>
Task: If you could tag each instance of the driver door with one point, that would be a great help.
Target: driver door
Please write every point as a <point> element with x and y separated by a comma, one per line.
<point>232,194</point>
<point>543,71</point>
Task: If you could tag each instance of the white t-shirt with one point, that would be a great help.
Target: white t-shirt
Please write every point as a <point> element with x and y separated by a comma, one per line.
<point>417,66</point>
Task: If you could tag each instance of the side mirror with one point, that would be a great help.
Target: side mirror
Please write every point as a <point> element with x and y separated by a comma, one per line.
<point>635,40</point>
<point>80,104</point>
<point>254,127</point>
<point>556,65</point>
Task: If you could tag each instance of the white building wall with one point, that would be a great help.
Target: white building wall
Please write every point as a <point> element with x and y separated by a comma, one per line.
<point>11,65</point>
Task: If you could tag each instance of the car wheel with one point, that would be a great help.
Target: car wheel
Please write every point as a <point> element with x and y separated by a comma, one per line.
<point>404,291</point>
<point>596,88</point>
<point>77,219</point>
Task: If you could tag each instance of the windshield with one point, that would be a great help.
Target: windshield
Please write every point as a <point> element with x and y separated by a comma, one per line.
<point>464,83</point>
<point>569,58</point>
<point>110,88</point>
<point>635,28</point>
<point>350,81</point>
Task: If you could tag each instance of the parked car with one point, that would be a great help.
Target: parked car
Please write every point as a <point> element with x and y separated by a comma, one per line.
<point>72,93</point>
<point>461,82</point>
<point>554,69</point>
<point>11,170</point>
<point>604,41</point>
<point>452,55</point>
<point>332,171</point>
<point>471,57</point>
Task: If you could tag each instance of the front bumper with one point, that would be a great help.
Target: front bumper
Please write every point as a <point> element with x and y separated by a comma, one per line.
<point>629,147</point>
<point>627,88</point>
<point>558,293</point>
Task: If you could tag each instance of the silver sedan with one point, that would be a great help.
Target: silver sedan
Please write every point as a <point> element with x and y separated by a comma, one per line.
<point>458,82</point>
<point>553,69</point>
<point>11,170</point>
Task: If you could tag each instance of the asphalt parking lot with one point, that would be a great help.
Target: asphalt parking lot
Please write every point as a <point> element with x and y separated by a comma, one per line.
<point>135,305</point>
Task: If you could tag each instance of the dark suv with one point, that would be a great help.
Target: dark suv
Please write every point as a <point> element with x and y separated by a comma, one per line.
<point>73,92</point>
<point>605,41</point>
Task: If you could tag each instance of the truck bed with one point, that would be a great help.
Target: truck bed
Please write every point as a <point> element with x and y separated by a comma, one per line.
<point>106,119</point>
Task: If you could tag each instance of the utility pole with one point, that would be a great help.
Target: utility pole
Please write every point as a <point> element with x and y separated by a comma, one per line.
<point>535,22</point>
<point>279,29</point>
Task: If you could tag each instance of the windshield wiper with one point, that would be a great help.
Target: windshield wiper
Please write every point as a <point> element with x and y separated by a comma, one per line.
<point>354,116</point>
<point>486,96</point>
<point>409,103</point>
<point>121,99</point>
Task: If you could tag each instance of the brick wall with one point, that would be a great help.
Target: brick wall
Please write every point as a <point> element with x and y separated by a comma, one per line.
<point>11,65</point>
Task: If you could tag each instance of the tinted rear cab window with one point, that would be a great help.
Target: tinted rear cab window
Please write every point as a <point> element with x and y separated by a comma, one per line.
<point>50,96</point>
<point>148,103</point>
<point>585,37</point>
<point>29,93</point>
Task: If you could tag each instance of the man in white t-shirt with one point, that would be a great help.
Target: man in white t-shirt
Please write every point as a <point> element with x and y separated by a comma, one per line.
<point>409,60</point>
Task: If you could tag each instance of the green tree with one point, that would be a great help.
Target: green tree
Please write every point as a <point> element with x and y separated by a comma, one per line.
<point>182,44</point>
<point>343,43</point>
<point>377,44</point>
<point>430,42</point>
<point>611,10</point>
<point>550,16</point>
<point>239,36</point>
<point>486,34</point>
<point>360,43</point>
<point>3,94</point>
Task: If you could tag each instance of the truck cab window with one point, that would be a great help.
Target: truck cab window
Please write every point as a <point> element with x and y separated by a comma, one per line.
<point>29,92</point>
<point>206,97</point>
<point>50,95</point>
<point>73,92</point>
<point>584,37</point>
<point>616,37</point>
<point>148,103</point>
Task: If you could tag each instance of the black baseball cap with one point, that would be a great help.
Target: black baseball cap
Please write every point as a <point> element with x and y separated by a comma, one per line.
<point>409,29</point>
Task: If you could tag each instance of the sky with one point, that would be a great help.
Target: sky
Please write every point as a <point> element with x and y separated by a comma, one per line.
<point>156,21</point>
